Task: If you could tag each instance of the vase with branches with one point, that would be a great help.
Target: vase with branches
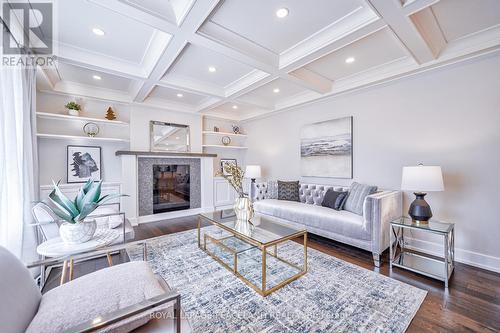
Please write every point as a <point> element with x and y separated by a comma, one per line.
<point>243,205</point>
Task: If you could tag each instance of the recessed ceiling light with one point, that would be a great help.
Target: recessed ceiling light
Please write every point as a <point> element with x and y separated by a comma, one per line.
<point>98,32</point>
<point>176,138</point>
<point>96,77</point>
<point>179,95</point>
<point>211,69</point>
<point>282,12</point>
<point>276,90</point>
<point>350,60</point>
<point>235,107</point>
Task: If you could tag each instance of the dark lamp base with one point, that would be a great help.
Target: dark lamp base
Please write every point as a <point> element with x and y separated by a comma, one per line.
<point>420,211</point>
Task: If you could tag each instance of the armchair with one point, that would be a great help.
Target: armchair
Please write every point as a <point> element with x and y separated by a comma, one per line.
<point>47,224</point>
<point>120,298</point>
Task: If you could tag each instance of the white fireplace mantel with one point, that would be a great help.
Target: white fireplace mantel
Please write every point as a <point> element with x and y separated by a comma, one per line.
<point>130,204</point>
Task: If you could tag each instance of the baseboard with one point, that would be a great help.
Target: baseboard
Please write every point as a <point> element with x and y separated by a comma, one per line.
<point>472,258</point>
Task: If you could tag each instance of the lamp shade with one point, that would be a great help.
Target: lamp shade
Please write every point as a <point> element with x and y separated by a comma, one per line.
<point>252,171</point>
<point>422,178</point>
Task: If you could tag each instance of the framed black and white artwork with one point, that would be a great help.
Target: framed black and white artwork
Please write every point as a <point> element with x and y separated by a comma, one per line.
<point>83,163</point>
<point>225,161</point>
<point>326,149</point>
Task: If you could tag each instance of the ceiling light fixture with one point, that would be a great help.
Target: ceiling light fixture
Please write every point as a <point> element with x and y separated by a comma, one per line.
<point>96,77</point>
<point>276,90</point>
<point>211,69</point>
<point>180,95</point>
<point>350,60</point>
<point>282,12</point>
<point>98,32</point>
<point>235,107</point>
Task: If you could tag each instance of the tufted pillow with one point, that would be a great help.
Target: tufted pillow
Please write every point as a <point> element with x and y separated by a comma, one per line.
<point>356,197</point>
<point>334,199</point>
<point>288,191</point>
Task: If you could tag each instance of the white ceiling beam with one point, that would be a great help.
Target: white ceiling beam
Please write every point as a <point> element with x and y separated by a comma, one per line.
<point>403,27</point>
<point>429,28</point>
<point>194,19</point>
<point>309,80</point>
<point>413,6</point>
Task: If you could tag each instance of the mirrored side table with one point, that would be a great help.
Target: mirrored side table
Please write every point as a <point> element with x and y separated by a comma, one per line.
<point>400,256</point>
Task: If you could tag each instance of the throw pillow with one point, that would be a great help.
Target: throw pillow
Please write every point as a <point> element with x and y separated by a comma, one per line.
<point>288,191</point>
<point>356,197</point>
<point>272,190</point>
<point>334,199</point>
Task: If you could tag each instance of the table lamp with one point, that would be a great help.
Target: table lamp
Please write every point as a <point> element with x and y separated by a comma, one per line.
<point>253,172</point>
<point>421,179</point>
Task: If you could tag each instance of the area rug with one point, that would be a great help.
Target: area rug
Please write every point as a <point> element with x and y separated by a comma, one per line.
<point>333,296</point>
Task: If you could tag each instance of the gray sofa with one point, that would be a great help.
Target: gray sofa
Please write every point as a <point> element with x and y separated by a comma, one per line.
<point>369,231</point>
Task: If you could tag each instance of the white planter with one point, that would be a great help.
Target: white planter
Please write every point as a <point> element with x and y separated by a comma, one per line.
<point>244,227</point>
<point>75,113</point>
<point>77,233</point>
<point>243,208</point>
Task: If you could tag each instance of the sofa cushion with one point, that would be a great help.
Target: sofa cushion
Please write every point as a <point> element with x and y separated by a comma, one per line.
<point>96,294</point>
<point>340,222</point>
<point>334,199</point>
<point>356,197</point>
<point>288,190</point>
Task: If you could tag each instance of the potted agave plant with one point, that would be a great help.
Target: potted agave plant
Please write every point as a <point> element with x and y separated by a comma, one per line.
<point>242,206</point>
<point>76,228</point>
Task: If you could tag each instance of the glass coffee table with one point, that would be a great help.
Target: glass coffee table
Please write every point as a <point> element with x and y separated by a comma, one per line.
<point>251,250</point>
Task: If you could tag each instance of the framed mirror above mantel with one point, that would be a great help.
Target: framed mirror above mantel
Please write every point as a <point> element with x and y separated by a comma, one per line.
<point>169,137</point>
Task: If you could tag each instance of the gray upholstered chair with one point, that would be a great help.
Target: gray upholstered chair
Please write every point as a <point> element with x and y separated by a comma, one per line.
<point>120,298</point>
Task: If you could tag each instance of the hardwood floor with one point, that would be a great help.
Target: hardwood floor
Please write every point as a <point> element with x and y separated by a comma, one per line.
<point>471,303</point>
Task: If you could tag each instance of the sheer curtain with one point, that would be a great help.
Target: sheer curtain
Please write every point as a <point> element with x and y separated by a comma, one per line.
<point>18,160</point>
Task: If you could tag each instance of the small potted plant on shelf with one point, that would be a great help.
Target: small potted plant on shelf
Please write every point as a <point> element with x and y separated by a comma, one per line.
<point>73,108</point>
<point>76,228</point>
<point>243,205</point>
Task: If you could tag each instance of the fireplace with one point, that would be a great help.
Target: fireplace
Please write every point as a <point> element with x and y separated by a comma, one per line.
<point>171,187</point>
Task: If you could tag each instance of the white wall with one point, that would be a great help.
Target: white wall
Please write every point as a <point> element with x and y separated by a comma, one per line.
<point>449,117</point>
<point>139,126</point>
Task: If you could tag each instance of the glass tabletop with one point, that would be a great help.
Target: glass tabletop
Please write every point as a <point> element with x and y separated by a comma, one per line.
<point>262,229</point>
<point>432,225</point>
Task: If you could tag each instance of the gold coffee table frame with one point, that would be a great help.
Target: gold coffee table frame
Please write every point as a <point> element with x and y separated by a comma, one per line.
<point>263,247</point>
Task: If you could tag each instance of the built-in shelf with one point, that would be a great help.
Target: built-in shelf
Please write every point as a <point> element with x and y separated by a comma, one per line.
<point>224,134</point>
<point>68,117</point>
<point>78,137</point>
<point>224,147</point>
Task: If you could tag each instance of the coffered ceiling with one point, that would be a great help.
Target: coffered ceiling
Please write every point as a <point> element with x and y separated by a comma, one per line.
<point>240,59</point>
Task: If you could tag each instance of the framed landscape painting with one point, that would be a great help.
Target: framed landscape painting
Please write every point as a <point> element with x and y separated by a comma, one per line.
<point>83,163</point>
<point>326,149</point>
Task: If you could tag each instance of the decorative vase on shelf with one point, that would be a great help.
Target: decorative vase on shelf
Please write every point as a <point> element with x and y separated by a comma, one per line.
<point>77,233</point>
<point>243,208</point>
